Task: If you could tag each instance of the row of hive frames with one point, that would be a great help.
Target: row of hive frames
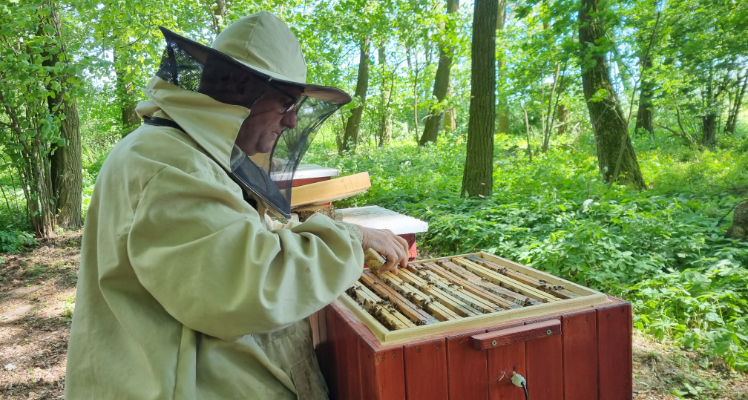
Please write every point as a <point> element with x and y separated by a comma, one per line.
<point>447,289</point>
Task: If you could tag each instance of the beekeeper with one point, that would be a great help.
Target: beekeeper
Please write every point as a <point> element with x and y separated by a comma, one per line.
<point>187,288</point>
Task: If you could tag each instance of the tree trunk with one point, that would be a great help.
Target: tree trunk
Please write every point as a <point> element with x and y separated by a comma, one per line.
<point>67,184</point>
<point>441,81</point>
<point>503,116</point>
<point>709,129</point>
<point>450,116</point>
<point>527,133</point>
<point>350,138</point>
<point>40,207</point>
<point>477,179</point>
<point>737,103</point>
<point>739,228</point>
<point>65,168</point>
<point>33,167</point>
<point>555,112</point>
<point>415,87</point>
<point>217,15</point>
<point>548,126</point>
<point>709,120</point>
<point>563,117</point>
<point>645,113</point>
<point>385,126</point>
<point>615,153</point>
<point>125,91</point>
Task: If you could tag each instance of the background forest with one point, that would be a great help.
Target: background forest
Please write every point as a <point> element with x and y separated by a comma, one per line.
<point>603,141</point>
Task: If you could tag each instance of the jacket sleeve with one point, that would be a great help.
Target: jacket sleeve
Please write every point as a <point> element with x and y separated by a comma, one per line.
<point>205,256</point>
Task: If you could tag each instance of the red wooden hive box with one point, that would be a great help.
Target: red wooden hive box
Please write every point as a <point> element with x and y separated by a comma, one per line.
<point>574,349</point>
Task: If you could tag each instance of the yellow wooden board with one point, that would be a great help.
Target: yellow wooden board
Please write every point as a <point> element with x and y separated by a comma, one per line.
<point>331,190</point>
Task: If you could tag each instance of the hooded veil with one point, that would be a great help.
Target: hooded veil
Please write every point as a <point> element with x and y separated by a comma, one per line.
<point>198,68</point>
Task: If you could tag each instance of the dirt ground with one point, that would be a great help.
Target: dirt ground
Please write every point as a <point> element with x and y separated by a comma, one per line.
<point>37,296</point>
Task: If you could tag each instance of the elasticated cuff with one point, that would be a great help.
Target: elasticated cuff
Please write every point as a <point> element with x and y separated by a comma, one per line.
<point>352,229</point>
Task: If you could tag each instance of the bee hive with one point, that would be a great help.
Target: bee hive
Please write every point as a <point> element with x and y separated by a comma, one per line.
<point>472,290</point>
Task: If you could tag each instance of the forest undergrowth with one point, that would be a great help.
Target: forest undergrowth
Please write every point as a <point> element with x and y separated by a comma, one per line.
<point>663,248</point>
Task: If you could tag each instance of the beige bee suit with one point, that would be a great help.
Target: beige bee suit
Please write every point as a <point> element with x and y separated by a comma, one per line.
<point>183,293</point>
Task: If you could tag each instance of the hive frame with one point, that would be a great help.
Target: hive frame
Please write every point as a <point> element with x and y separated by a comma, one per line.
<point>587,298</point>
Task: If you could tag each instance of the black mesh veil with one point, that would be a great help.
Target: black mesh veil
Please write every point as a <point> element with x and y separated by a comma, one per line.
<point>198,68</point>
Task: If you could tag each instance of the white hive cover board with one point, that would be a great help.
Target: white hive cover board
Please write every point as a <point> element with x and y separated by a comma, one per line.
<point>308,171</point>
<point>381,218</point>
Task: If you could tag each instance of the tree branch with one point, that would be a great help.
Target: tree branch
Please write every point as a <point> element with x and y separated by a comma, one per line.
<point>571,147</point>
<point>684,135</point>
<point>677,114</point>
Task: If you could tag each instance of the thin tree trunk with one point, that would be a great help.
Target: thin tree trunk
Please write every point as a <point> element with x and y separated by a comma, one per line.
<point>545,117</point>
<point>554,112</point>
<point>441,81</point>
<point>527,133</point>
<point>548,126</point>
<point>450,116</point>
<point>415,103</point>
<point>65,168</point>
<point>563,116</point>
<point>415,88</point>
<point>709,120</point>
<point>503,115</point>
<point>217,14</point>
<point>645,113</point>
<point>385,126</point>
<point>40,207</point>
<point>606,117</point>
<point>542,112</point>
<point>477,179</point>
<point>350,138</point>
<point>737,103</point>
<point>125,90</point>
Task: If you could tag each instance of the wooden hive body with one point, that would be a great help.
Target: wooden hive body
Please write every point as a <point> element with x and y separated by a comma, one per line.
<point>578,348</point>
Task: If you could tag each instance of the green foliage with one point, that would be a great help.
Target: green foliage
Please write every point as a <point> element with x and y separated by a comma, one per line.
<point>89,179</point>
<point>702,308</point>
<point>557,216</point>
<point>38,85</point>
<point>14,237</point>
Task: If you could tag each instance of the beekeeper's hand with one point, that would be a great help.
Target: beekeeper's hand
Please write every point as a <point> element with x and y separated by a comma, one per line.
<point>392,247</point>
